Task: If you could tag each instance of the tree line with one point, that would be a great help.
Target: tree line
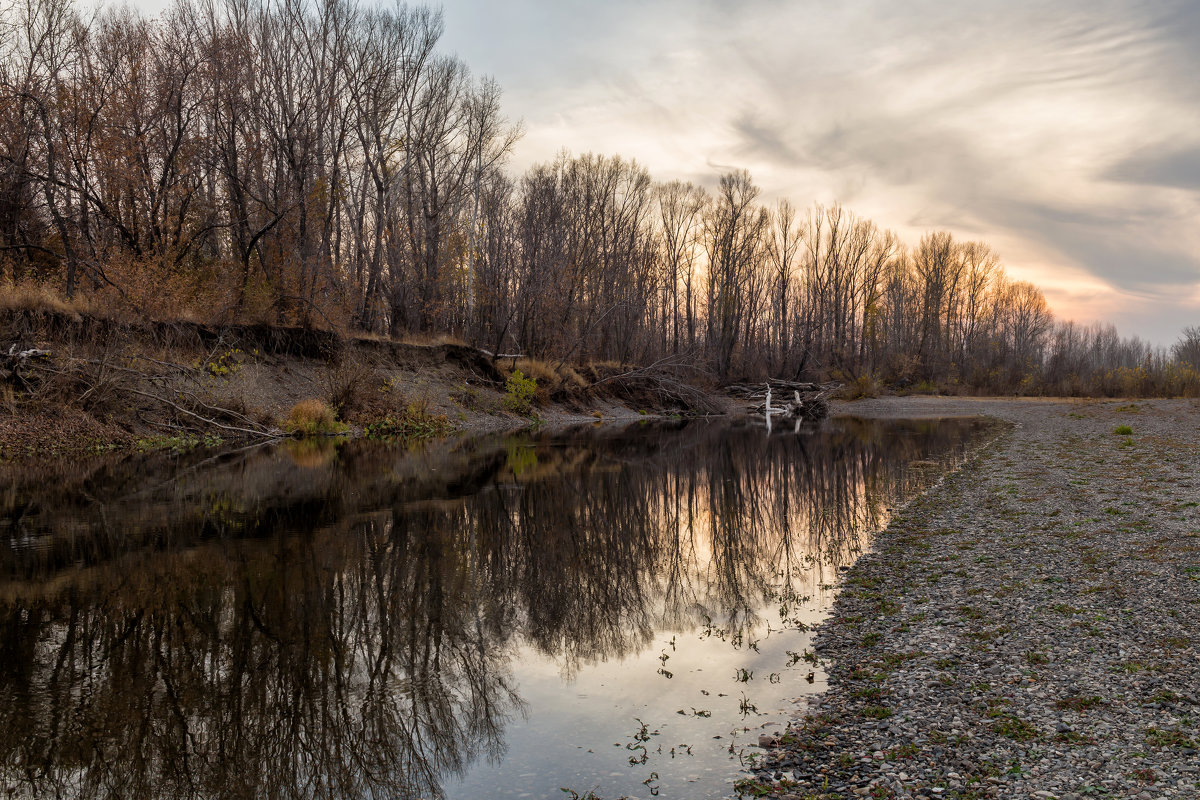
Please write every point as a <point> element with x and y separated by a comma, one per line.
<point>315,162</point>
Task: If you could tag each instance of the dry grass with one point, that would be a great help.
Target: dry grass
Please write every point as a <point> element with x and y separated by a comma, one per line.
<point>153,295</point>
<point>431,340</point>
<point>159,292</point>
<point>32,296</point>
<point>312,417</point>
<point>546,374</point>
<point>572,377</point>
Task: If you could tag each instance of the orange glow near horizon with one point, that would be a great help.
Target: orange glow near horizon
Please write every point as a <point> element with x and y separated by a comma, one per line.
<point>1065,138</point>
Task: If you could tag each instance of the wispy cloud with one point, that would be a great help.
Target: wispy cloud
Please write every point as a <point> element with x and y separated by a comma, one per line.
<point>1064,134</point>
<point>1179,169</point>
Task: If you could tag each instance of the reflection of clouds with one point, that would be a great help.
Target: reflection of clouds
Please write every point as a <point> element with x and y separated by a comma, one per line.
<point>702,522</point>
<point>968,116</point>
<point>367,650</point>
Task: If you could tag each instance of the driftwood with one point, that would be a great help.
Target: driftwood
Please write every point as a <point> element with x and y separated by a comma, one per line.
<point>758,391</point>
<point>21,355</point>
<point>12,362</point>
<point>15,359</point>
<point>787,399</point>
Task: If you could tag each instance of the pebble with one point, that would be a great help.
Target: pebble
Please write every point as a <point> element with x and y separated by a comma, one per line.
<point>1030,625</point>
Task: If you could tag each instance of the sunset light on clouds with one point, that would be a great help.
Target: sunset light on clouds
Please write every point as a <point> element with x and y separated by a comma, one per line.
<point>1066,136</point>
<point>695,399</point>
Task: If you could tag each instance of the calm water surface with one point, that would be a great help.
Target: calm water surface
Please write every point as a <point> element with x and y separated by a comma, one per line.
<point>615,610</point>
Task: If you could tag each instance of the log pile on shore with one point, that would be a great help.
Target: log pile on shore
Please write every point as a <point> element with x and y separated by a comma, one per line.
<point>787,399</point>
<point>12,362</point>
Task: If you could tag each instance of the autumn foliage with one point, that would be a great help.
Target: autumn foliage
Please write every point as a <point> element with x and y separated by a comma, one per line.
<point>325,164</point>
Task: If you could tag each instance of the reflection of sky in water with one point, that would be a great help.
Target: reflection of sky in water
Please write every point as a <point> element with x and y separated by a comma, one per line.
<point>491,617</point>
<point>584,719</point>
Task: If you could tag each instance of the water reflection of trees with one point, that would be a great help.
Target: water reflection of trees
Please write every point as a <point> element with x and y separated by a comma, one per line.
<point>317,666</point>
<point>653,534</point>
<point>347,629</point>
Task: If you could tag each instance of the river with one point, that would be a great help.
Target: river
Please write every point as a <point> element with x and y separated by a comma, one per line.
<point>619,611</point>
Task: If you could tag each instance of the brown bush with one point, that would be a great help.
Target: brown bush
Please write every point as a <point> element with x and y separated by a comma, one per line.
<point>312,417</point>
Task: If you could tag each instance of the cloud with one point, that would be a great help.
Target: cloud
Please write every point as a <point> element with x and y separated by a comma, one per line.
<point>1126,252</point>
<point>1064,133</point>
<point>1179,169</point>
<point>762,139</point>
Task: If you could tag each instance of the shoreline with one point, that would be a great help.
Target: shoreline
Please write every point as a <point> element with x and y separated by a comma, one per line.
<point>97,386</point>
<point>1028,627</point>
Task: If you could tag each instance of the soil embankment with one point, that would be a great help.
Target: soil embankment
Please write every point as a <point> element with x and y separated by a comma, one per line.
<point>96,384</point>
<point>1028,628</point>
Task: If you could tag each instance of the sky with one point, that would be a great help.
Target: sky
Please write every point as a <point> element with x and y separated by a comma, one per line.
<point>1064,134</point>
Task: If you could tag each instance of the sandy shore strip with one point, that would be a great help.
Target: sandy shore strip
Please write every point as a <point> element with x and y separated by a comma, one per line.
<point>1028,628</point>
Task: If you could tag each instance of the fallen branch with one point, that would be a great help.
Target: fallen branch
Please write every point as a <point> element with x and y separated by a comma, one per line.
<point>498,356</point>
<point>25,355</point>
<point>653,379</point>
<point>261,432</point>
<point>653,368</point>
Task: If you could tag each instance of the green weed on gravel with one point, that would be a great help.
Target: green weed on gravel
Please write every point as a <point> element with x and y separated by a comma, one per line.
<point>1157,737</point>
<point>1014,728</point>
<point>1080,704</point>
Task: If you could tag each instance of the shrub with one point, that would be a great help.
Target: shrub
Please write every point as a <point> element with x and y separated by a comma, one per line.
<point>861,387</point>
<point>519,397</point>
<point>411,423</point>
<point>1123,430</point>
<point>221,365</point>
<point>312,417</point>
<point>347,383</point>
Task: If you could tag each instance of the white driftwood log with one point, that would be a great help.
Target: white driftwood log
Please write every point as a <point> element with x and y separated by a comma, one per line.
<point>806,404</point>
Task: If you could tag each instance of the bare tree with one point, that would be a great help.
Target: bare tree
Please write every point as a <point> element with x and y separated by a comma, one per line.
<point>782,247</point>
<point>734,239</point>
<point>679,210</point>
<point>1187,349</point>
<point>322,163</point>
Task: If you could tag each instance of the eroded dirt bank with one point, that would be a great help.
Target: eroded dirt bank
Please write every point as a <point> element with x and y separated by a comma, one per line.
<point>88,385</point>
<point>1029,628</point>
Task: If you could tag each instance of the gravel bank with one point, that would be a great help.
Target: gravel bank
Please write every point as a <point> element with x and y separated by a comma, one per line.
<point>1028,628</point>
